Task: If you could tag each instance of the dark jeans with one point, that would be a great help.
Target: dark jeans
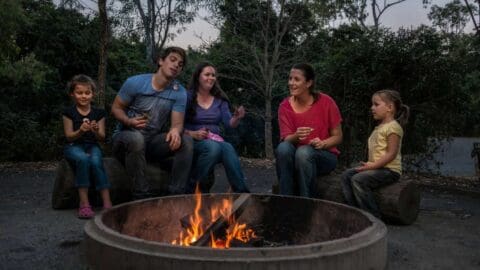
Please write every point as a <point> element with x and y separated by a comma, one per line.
<point>357,187</point>
<point>130,148</point>
<point>207,153</point>
<point>303,164</point>
<point>86,159</point>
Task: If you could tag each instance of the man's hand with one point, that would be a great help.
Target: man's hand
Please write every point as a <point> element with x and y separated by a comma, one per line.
<point>139,122</point>
<point>174,139</point>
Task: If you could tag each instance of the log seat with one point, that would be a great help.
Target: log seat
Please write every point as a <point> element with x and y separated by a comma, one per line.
<point>399,202</point>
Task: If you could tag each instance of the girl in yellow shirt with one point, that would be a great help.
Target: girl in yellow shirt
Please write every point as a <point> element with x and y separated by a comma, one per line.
<point>384,165</point>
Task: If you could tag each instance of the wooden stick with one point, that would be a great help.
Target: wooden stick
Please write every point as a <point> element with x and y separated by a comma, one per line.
<point>237,209</point>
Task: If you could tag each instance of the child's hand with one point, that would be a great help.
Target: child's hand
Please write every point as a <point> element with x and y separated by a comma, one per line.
<point>94,126</point>
<point>365,166</point>
<point>318,144</point>
<point>85,127</point>
<point>303,132</point>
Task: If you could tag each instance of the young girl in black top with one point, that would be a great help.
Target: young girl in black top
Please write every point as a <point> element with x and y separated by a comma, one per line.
<point>84,126</point>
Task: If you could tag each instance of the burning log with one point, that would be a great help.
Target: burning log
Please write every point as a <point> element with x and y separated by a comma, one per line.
<point>221,222</point>
<point>398,202</point>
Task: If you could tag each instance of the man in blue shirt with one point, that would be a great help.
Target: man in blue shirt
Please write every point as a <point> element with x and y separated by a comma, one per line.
<point>143,107</point>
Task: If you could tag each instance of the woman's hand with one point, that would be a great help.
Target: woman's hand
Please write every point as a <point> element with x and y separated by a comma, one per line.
<point>199,135</point>
<point>303,132</point>
<point>239,113</point>
<point>318,144</point>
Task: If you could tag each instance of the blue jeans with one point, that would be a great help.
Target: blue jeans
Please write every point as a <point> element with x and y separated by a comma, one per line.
<point>207,153</point>
<point>86,159</point>
<point>133,151</point>
<point>302,164</point>
<point>357,187</point>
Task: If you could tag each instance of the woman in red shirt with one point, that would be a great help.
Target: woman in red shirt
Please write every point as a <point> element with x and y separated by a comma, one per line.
<point>310,130</point>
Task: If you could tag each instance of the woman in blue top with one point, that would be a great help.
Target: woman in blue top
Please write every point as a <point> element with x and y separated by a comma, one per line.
<point>207,107</point>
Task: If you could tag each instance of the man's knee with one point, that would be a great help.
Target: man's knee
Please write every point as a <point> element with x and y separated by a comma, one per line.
<point>130,141</point>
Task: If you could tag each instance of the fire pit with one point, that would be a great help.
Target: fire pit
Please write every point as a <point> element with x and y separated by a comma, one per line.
<point>288,233</point>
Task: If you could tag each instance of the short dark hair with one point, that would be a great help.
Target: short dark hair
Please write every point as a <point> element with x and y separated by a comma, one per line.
<point>81,79</point>
<point>173,49</point>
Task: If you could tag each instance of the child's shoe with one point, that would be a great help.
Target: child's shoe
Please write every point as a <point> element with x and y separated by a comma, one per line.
<point>85,212</point>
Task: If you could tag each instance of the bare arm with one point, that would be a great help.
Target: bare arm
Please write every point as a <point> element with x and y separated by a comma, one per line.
<point>393,146</point>
<point>237,116</point>
<point>70,134</point>
<point>98,128</point>
<point>118,111</point>
<point>336,137</point>
<point>173,135</point>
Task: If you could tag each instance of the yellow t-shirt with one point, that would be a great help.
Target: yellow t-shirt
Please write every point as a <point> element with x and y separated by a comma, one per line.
<point>377,144</point>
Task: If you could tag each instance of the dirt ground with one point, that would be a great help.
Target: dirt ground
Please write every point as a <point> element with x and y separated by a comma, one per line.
<point>446,234</point>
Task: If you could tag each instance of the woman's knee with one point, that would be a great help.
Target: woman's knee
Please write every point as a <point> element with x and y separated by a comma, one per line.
<point>303,154</point>
<point>211,149</point>
<point>284,149</point>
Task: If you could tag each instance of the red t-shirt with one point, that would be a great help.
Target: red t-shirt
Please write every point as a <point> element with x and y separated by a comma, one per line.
<point>323,116</point>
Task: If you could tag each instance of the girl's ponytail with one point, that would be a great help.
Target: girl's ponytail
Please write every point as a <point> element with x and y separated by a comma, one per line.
<point>403,113</point>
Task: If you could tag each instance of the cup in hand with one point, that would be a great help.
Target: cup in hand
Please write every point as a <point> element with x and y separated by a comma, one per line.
<point>303,132</point>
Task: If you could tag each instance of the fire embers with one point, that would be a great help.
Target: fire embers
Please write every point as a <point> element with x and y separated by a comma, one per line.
<point>215,227</point>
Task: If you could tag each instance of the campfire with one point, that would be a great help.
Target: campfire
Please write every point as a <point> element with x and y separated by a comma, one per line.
<point>235,231</point>
<point>216,227</point>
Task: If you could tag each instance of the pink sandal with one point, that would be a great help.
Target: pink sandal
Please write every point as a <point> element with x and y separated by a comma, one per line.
<point>85,212</point>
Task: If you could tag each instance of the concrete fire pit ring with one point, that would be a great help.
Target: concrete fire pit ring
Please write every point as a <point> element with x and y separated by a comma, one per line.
<point>107,248</point>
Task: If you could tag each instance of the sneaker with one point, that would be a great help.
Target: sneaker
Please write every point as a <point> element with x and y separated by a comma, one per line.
<point>85,212</point>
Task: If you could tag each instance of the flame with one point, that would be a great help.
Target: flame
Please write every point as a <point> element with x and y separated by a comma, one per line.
<point>197,225</point>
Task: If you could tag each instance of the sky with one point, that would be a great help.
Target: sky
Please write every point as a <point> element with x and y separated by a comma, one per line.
<point>410,13</point>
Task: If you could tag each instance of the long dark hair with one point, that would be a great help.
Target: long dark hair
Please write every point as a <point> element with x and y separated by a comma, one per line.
<point>309,74</point>
<point>402,111</point>
<point>194,85</point>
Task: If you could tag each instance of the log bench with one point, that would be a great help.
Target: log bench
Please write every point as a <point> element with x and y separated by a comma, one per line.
<point>65,195</point>
<point>399,203</point>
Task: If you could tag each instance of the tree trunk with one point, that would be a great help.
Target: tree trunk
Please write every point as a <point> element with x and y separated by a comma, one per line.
<point>103,48</point>
<point>268,129</point>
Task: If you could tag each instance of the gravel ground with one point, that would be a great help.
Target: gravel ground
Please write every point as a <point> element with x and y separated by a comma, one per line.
<point>446,234</point>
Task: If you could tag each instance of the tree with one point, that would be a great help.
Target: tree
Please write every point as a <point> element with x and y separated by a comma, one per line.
<point>451,18</point>
<point>103,51</point>
<point>259,41</point>
<point>157,19</point>
<point>471,11</point>
<point>356,10</point>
